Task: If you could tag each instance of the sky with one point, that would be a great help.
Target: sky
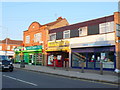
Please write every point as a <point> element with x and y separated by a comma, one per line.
<point>17,16</point>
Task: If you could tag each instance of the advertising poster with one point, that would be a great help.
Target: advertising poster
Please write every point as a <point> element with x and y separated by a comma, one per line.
<point>102,56</point>
<point>50,59</point>
<point>59,57</point>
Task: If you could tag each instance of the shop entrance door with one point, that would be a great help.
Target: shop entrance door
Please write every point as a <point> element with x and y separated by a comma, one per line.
<point>91,60</point>
<point>31,59</point>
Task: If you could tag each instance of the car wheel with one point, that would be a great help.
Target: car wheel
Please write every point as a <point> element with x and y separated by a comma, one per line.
<point>11,70</point>
<point>3,70</point>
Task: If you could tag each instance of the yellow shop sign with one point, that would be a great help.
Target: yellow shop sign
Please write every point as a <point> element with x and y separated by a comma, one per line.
<point>58,44</point>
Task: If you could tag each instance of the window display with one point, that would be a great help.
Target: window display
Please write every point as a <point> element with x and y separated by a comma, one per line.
<point>50,59</point>
<point>92,60</point>
<point>59,57</point>
<point>78,58</point>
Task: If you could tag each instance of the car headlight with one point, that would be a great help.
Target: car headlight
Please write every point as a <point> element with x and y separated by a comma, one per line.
<point>0,63</point>
<point>10,62</point>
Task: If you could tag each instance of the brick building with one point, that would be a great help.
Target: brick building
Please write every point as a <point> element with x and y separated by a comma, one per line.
<point>35,41</point>
<point>7,46</point>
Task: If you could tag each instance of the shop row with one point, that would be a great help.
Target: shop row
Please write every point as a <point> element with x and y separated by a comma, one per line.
<point>59,44</point>
<point>62,53</point>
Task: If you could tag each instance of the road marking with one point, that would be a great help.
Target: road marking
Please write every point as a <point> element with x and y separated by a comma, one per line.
<point>20,80</point>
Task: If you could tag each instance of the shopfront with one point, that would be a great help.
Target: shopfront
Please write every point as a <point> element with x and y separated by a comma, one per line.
<point>33,55</point>
<point>18,54</point>
<point>92,57</point>
<point>58,51</point>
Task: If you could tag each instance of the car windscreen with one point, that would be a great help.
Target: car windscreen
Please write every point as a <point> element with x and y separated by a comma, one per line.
<point>4,58</point>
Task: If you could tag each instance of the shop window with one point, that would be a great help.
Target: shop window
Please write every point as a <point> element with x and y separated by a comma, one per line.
<point>91,60</point>
<point>108,60</point>
<point>52,37</point>
<point>97,58</point>
<point>78,58</point>
<point>66,34</point>
<point>106,57</point>
<point>50,59</point>
<point>37,59</point>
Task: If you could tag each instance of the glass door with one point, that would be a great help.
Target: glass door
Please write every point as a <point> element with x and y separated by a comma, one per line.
<point>91,60</point>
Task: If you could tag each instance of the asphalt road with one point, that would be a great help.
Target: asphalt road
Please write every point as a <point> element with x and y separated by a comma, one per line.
<point>28,79</point>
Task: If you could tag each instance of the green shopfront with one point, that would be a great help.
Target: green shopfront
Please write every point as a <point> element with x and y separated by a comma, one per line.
<point>32,55</point>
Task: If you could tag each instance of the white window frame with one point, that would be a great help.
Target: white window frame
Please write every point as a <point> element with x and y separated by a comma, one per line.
<point>8,47</point>
<point>80,31</point>
<point>51,35</point>
<point>0,47</point>
<point>13,47</point>
<point>106,27</point>
<point>66,32</point>
<point>37,37</point>
<point>27,39</point>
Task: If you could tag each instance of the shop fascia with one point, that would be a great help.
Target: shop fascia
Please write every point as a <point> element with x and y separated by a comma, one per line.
<point>19,49</point>
<point>30,48</point>
<point>62,45</point>
<point>33,48</point>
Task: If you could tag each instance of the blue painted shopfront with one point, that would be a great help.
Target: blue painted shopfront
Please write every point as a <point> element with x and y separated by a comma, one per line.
<point>92,57</point>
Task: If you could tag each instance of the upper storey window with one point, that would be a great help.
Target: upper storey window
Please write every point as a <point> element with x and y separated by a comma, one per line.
<point>27,39</point>
<point>66,34</point>
<point>106,27</point>
<point>82,31</point>
<point>37,37</point>
<point>52,36</point>
<point>0,47</point>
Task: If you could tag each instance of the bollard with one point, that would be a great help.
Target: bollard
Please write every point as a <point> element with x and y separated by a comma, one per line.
<point>64,65</point>
<point>54,64</point>
<point>101,68</point>
<point>67,66</point>
<point>82,70</point>
<point>22,64</point>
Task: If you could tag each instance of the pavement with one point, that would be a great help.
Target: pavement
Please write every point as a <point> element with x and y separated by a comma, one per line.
<point>93,75</point>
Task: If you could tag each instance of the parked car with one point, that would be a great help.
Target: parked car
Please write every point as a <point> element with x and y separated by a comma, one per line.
<point>6,63</point>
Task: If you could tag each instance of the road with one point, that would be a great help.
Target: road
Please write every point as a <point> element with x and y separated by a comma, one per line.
<point>29,79</point>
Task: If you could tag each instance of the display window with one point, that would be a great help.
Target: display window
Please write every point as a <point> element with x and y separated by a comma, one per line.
<point>93,59</point>
<point>57,57</point>
<point>78,58</point>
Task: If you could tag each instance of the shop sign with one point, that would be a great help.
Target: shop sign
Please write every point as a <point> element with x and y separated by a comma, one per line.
<point>58,44</point>
<point>34,47</point>
<point>18,49</point>
<point>118,30</point>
